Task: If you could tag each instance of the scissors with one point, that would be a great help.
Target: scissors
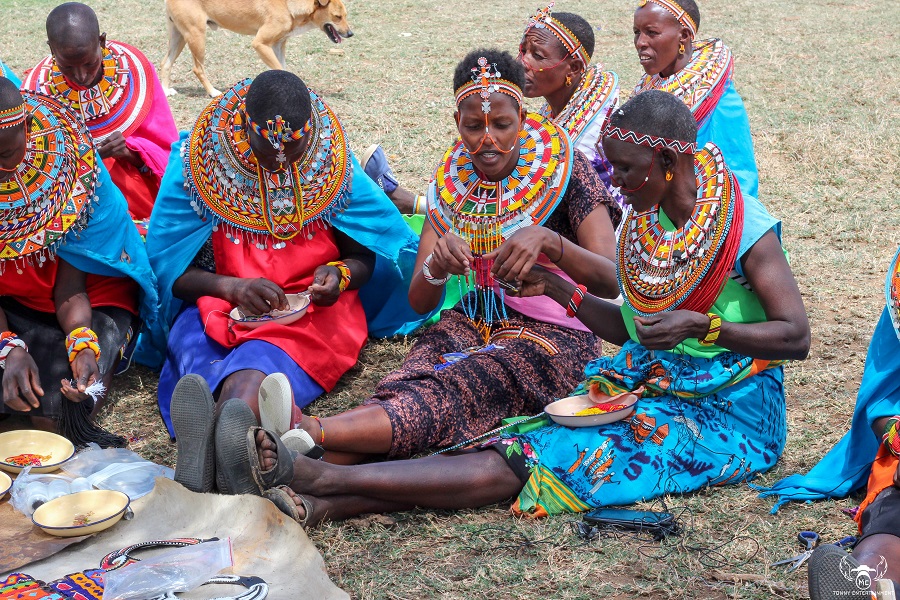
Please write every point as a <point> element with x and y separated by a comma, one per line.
<point>810,539</point>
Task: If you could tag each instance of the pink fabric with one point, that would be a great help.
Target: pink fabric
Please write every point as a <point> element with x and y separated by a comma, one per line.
<point>543,308</point>
<point>154,137</point>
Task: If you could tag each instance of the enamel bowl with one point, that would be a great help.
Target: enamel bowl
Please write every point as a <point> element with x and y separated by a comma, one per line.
<point>564,411</point>
<point>299,303</point>
<point>50,450</point>
<point>82,513</point>
<point>5,484</point>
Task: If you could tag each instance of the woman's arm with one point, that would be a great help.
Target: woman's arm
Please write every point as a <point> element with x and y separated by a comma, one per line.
<point>73,311</point>
<point>257,296</point>
<point>449,254</point>
<point>21,383</point>
<point>360,261</point>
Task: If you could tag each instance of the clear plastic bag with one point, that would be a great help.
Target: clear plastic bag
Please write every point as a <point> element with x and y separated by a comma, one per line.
<point>177,570</point>
<point>30,491</point>
<point>117,469</point>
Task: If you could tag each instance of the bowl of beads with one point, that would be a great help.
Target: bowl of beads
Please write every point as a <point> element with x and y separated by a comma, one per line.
<point>589,410</point>
<point>5,484</point>
<point>297,307</point>
<point>82,513</point>
<point>43,451</point>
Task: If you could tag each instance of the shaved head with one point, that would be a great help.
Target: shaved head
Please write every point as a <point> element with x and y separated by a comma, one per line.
<point>72,24</point>
<point>9,94</point>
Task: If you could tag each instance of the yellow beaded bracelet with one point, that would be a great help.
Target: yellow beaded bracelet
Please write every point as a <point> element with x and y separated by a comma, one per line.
<point>715,326</point>
<point>345,274</point>
<point>80,339</point>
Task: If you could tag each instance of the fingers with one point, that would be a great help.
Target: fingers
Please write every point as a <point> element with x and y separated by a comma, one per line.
<point>70,392</point>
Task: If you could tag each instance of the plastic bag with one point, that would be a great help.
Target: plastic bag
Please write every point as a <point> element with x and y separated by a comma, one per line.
<point>30,491</point>
<point>177,570</point>
<point>117,469</point>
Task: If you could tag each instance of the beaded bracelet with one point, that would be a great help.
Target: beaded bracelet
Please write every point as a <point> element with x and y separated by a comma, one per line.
<point>80,339</point>
<point>891,437</point>
<point>575,301</point>
<point>345,274</point>
<point>715,326</point>
<point>9,341</point>
<point>426,273</point>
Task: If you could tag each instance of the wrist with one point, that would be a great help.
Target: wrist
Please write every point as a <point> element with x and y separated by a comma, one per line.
<point>10,344</point>
<point>708,328</point>
<point>891,437</point>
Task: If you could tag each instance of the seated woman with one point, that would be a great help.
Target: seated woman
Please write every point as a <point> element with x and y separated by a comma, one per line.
<point>261,199</point>
<point>556,52</point>
<point>870,450</point>
<point>711,308</point>
<point>701,74</point>
<point>71,263</point>
<point>512,192</point>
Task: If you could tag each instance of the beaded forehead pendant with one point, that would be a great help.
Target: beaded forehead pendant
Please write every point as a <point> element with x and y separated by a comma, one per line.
<point>482,76</point>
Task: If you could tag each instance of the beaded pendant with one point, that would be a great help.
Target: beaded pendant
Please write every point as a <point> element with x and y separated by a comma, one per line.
<point>119,102</point>
<point>52,188</point>
<point>892,292</point>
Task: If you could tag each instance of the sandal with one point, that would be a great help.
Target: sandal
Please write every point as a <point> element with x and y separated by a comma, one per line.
<point>280,474</point>
<point>233,469</point>
<point>285,503</point>
<point>193,418</point>
<point>276,403</point>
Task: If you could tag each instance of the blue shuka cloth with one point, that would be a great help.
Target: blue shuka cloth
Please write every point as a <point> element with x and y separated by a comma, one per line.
<point>846,467</point>
<point>177,233</point>
<point>8,73</point>
<point>729,128</point>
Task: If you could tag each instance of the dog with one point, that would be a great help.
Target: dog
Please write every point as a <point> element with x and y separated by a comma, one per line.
<point>271,22</point>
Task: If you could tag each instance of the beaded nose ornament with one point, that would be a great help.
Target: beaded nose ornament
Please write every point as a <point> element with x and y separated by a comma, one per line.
<point>487,80</point>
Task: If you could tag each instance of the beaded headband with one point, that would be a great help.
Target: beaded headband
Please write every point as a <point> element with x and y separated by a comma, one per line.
<point>543,19</point>
<point>645,139</point>
<point>12,116</point>
<point>683,17</point>
<point>486,80</point>
<point>278,131</point>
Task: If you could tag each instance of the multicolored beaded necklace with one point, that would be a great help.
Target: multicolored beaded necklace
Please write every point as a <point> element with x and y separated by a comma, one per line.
<point>701,83</point>
<point>892,292</point>
<point>485,213</point>
<point>53,187</point>
<point>119,102</point>
<point>255,204</point>
<point>662,269</point>
<point>596,96</point>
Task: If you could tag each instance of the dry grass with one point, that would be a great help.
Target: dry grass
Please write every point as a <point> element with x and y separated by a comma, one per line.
<point>816,80</point>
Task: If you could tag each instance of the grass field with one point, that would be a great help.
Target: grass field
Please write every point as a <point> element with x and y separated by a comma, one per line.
<point>817,79</point>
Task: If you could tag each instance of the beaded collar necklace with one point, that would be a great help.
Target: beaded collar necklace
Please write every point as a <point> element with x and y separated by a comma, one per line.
<point>596,95</point>
<point>52,188</point>
<point>263,207</point>
<point>892,292</point>
<point>661,269</point>
<point>701,83</point>
<point>119,102</point>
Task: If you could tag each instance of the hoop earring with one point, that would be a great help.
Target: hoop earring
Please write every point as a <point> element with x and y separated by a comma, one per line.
<point>668,175</point>
<point>568,80</point>
<point>681,48</point>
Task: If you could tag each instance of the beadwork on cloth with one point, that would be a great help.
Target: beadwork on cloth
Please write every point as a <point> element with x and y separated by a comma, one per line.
<point>119,102</point>
<point>53,187</point>
<point>892,292</point>
<point>596,96</point>
<point>662,268</point>
<point>228,186</point>
<point>701,83</point>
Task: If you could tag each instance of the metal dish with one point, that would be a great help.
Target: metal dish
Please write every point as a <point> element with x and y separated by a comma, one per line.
<point>48,450</point>
<point>299,304</point>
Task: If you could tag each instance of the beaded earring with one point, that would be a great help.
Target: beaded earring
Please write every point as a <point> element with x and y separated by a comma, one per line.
<point>568,80</point>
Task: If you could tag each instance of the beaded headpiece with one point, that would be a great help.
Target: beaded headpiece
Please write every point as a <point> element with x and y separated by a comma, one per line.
<point>277,131</point>
<point>645,139</point>
<point>543,19</point>
<point>679,13</point>
<point>486,80</point>
<point>12,116</point>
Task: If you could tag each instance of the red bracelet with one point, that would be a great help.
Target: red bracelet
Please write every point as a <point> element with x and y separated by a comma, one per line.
<point>575,301</point>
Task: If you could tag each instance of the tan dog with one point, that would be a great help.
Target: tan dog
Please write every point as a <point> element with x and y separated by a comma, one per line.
<point>271,22</point>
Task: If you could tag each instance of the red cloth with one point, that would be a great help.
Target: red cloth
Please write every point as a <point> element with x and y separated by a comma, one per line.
<point>881,478</point>
<point>33,287</point>
<point>139,189</point>
<point>326,341</point>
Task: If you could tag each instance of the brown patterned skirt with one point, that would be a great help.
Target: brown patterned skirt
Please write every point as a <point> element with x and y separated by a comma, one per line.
<point>434,408</point>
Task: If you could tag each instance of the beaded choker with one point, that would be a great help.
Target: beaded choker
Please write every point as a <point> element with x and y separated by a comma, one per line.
<point>596,95</point>
<point>543,19</point>
<point>892,292</point>
<point>119,102</point>
<point>258,205</point>
<point>486,80</point>
<point>12,116</point>
<point>645,139</point>
<point>52,188</point>
<point>663,268</point>
<point>701,83</point>
<point>679,13</point>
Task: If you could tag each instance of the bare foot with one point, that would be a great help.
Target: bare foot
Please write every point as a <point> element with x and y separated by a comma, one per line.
<point>301,509</point>
<point>267,450</point>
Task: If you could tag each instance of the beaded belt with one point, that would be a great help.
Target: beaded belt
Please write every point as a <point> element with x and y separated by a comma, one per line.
<point>522,333</point>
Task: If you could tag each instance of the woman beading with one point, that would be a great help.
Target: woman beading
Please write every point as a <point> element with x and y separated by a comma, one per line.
<point>711,309</point>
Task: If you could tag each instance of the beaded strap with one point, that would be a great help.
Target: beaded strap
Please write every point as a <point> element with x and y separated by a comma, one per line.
<point>891,437</point>
<point>715,326</point>
<point>80,339</point>
<point>345,273</point>
<point>9,341</point>
<point>575,301</point>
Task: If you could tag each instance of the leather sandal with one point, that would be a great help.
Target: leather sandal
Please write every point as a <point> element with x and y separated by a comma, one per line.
<point>280,497</point>
<point>280,474</point>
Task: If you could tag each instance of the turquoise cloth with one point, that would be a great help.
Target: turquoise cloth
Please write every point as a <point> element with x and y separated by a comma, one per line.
<point>846,467</point>
<point>111,245</point>
<point>729,128</point>
<point>177,233</point>
<point>8,73</point>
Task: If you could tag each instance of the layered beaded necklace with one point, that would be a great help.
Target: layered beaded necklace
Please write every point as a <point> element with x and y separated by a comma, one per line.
<point>596,96</point>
